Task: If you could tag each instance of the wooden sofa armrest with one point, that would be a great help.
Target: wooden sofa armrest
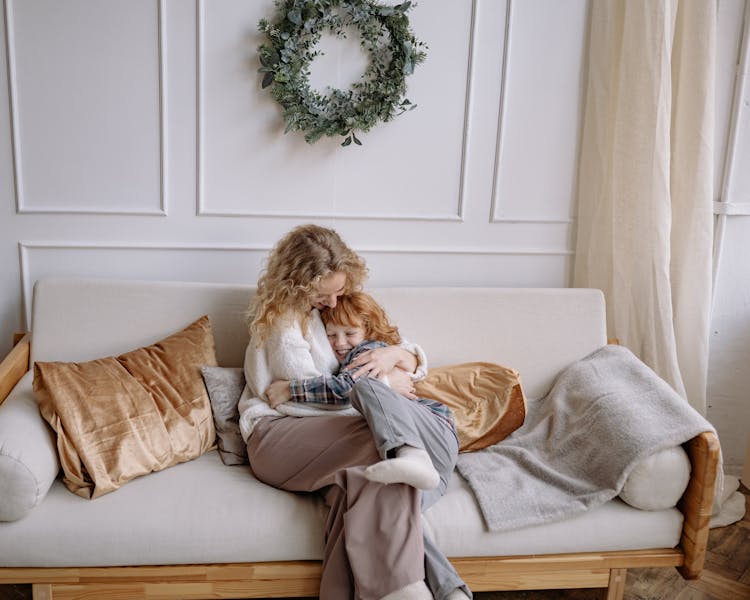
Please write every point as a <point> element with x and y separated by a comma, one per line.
<point>697,501</point>
<point>14,366</point>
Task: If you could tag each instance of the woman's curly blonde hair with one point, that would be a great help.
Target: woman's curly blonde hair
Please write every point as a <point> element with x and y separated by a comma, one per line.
<point>294,269</point>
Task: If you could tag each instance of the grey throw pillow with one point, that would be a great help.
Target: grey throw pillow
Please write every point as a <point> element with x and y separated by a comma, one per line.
<point>225,385</point>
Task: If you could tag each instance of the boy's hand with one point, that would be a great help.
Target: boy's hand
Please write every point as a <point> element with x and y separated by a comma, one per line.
<point>278,393</point>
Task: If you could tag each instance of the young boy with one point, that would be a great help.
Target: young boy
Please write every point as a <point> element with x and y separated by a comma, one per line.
<point>416,438</point>
<point>411,435</point>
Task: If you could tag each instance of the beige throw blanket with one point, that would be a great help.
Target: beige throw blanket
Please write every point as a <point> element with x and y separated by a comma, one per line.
<point>603,415</point>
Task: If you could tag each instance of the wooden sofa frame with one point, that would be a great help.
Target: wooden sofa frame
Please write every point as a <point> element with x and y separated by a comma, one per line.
<point>301,578</point>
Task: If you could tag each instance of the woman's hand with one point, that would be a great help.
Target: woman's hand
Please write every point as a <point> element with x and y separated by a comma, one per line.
<point>381,361</point>
<point>278,393</point>
<point>401,383</point>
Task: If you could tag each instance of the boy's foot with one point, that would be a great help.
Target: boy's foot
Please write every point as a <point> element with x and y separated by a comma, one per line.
<point>411,466</point>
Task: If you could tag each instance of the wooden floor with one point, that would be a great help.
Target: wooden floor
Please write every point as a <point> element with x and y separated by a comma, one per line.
<point>726,575</point>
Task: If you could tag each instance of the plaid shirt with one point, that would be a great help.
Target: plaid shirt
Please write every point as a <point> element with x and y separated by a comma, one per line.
<point>335,389</point>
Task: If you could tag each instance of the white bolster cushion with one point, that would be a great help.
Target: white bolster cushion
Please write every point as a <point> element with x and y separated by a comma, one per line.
<point>28,455</point>
<point>658,482</point>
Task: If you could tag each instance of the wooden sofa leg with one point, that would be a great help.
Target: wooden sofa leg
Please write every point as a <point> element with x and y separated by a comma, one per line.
<point>616,589</point>
<point>41,591</point>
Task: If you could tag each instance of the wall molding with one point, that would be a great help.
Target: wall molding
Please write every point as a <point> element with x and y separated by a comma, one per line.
<point>12,98</point>
<point>278,214</point>
<point>470,84</point>
<point>203,211</point>
<point>26,247</point>
<point>732,208</point>
<point>264,247</point>
<point>494,203</point>
<point>21,205</point>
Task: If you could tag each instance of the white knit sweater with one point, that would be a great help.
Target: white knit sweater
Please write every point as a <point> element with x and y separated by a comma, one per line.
<point>289,353</point>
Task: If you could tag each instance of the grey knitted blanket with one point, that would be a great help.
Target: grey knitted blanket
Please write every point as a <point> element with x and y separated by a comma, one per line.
<point>578,444</point>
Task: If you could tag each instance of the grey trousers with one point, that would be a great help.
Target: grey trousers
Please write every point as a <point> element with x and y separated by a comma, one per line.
<point>395,421</point>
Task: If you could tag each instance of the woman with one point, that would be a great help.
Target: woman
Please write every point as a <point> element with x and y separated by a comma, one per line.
<point>374,540</point>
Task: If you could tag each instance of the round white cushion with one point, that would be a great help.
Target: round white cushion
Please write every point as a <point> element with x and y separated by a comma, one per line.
<point>28,456</point>
<point>658,482</point>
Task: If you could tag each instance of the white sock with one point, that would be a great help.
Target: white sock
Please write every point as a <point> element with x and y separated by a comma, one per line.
<point>413,591</point>
<point>411,466</point>
<point>457,594</point>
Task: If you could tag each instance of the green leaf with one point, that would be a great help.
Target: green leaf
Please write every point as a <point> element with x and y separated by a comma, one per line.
<point>347,141</point>
<point>267,80</point>
<point>295,16</point>
<point>356,141</point>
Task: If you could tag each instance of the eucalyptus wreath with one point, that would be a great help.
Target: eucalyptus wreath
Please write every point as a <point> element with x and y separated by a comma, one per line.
<point>379,95</point>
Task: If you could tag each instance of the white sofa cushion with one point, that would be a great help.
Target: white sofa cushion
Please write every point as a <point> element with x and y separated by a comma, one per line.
<point>28,457</point>
<point>206,512</point>
<point>78,320</point>
<point>459,530</point>
<point>536,331</point>
<point>200,511</point>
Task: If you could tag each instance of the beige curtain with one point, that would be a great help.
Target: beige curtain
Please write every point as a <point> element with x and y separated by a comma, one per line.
<point>645,218</point>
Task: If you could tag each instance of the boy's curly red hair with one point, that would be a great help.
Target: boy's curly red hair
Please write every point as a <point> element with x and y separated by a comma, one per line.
<point>358,309</point>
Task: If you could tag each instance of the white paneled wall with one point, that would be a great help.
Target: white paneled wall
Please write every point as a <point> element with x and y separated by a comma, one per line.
<point>237,154</point>
<point>136,142</point>
<point>86,106</point>
<point>141,145</point>
<point>541,101</point>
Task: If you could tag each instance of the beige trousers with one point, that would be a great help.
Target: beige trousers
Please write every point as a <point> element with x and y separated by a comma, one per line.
<point>373,533</point>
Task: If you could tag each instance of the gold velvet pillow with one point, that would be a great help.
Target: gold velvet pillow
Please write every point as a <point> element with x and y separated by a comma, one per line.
<point>486,399</point>
<point>117,418</point>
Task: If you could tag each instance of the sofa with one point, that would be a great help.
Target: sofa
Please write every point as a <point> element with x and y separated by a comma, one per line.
<point>201,529</point>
